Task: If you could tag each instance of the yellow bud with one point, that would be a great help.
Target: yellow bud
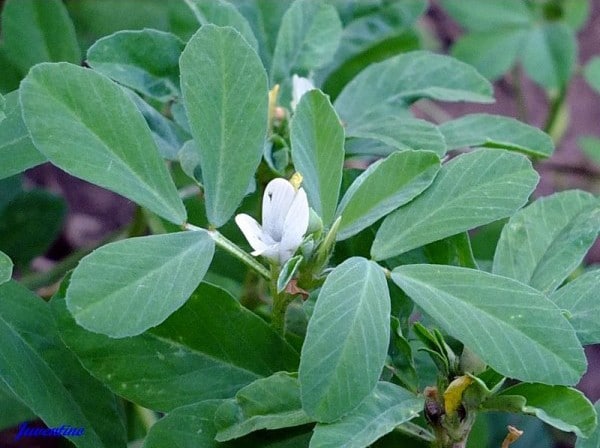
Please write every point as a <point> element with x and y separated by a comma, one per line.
<point>296,180</point>
<point>453,394</point>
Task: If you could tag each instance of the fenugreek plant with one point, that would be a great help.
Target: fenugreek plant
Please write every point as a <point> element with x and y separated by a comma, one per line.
<point>306,278</point>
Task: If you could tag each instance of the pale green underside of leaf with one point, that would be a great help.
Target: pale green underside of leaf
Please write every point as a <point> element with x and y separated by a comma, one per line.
<point>144,60</point>
<point>594,440</point>
<point>385,408</point>
<point>86,125</point>
<point>543,243</point>
<point>17,152</point>
<point>384,88</point>
<point>510,326</point>
<point>471,190</point>
<point>37,367</point>
<point>383,187</point>
<point>126,287</point>
<point>6,267</point>
<point>225,94</point>
<point>564,408</point>
<point>495,131</point>
<point>476,15</point>
<point>317,139</point>
<point>346,341</point>
<point>580,299</point>
<point>194,355</point>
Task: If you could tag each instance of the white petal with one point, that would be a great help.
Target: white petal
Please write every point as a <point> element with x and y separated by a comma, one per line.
<point>277,200</point>
<point>295,226</point>
<point>252,231</point>
<point>299,87</point>
<point>271,252</point>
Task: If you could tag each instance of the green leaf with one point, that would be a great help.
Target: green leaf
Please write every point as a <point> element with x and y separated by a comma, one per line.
<point>469,191</point>
<point>346,340</point>
<point>126,287</point>
<point>383,187</point>
<point>288,271</point>
<point>35,31</point>
<point>594,440</point>
<point>379,413</point>
<point>222,13</point>
<point>492,53</point>
<point>196,354</point>
<point>267,403</point>
<point>62,112</point>
<point>590,147</point>
<point>308,37</point>
<point>385,88</point>
<point>510,326</point>
<point>549,55</point>
<point>580,299</point>
<point>145,60</point>
<point>17,152</point>
<point>29,224</point>
<point>37,367</point>
<point>591,72</point>
<point>12,410</point>
<point>6,267</point>
<point>227,110</point>
<point>543,243</point>
<point>575,13</point>
<point>564,408</point>
<point>496,131</point>
<point>475,15</point>
<point>317,140</point>
<point>401,133</point>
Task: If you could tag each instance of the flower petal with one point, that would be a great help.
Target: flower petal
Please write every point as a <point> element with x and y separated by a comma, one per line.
<point>295,226</point>
<point>277,201</point>
<point>252,231</point>
<point>271,252</point>
<point>300,86</point>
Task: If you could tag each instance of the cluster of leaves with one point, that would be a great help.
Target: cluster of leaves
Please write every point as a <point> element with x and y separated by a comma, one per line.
<point>406,331</point>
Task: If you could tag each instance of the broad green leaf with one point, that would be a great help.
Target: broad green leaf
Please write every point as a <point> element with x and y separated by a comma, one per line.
<point>37,367</point>
<point>589,145</point>
<point>385,88</point>
<point>35,31</point>
<point>317,140</point>
<point>379,413</point>
<point>104,142</point>
<point>580,299</point>
<point>401,133</point>
<point>512,327</point>
<point>126,287</point>
<point>543,243</point>
<point>196,354</point>
<point>12,410</point>
<point>591,72</point>
<point>267,403</point>
<point>564,408</point>
<point>496,131</point>
<point>308,37</point>
<point>222,13</point>
<point>476,15</point>
<point>594,440</point>
<point>469,191</point>
<point>346,340</point>
<point>17,152</point>
<point>492,53</point>
<point>2,106</point>
<point>383,187</point>
<point>11,75</point>
<point>146,61</point>
<point>227,109</point>
<point>575,13</point>
<point>29,224</point>
<point>6,267</point>
<point>549,55</point>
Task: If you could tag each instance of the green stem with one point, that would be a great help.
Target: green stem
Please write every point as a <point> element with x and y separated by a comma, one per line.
<point>554,112</point>
<point>280,302</point>
<point>522,113</point>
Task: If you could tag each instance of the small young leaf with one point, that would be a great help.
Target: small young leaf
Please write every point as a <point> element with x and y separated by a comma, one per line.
<point>580,299</point>
<point>594,440</point>
<point>379,413</point>
<point>512,327</point>
<point>591,147</point>
<point>317,140</point>
<point>475,15</point>
<point>288,271</point>
<point>543,243</point>
<point>268,403</point>
<point>227,109</point>
<point>6,267</point>
<point>144,60</point>
<point>383,187</point>
<point>564,408</point>
<point>591,72</point>
<point>469,191</point>
<point>126,287</point>
<point>346,340</point>
<point>70,109</point>
<point>495,131</point>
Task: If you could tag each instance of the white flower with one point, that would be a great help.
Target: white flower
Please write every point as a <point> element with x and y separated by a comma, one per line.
<point>299,87</point>
<point>284,222</point>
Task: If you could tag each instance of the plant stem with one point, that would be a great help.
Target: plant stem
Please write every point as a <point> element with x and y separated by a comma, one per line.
<point>280,302</point>
<point>522,113</point>
<point>556,104</point>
